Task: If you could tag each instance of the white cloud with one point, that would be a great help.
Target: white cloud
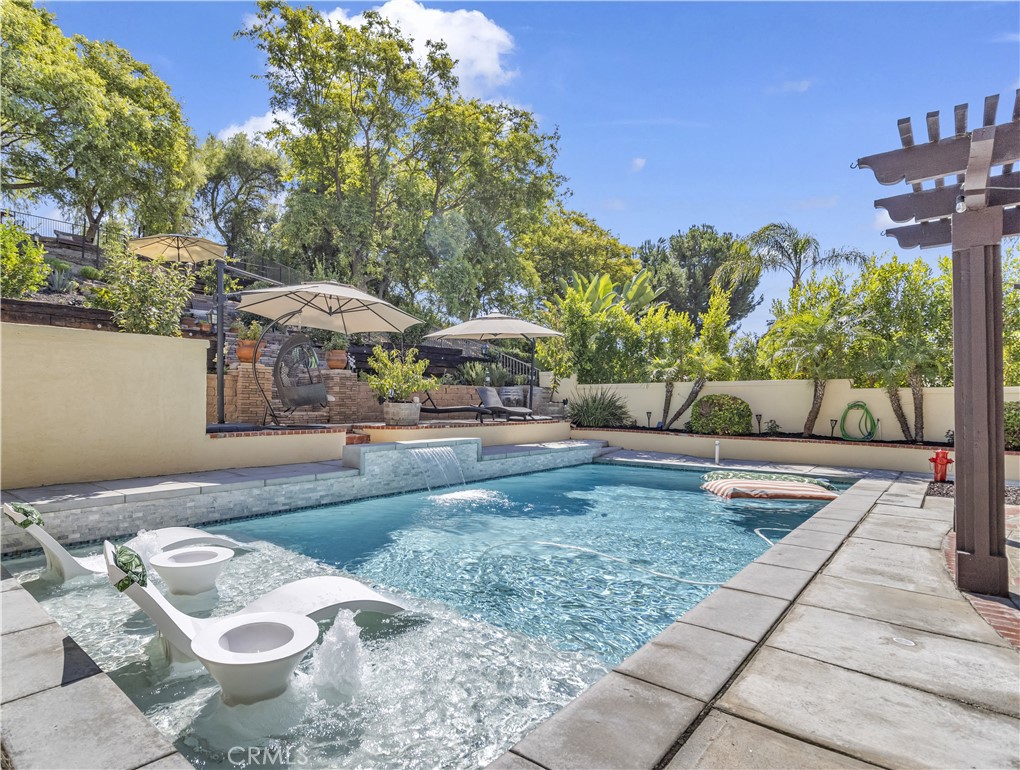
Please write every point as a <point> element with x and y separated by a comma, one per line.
<point>614,204</point>
<point>792,87</point>
<point>1008,37</point>
<point>474,40</point>
<point>636,164</point>
<point>254,127</point>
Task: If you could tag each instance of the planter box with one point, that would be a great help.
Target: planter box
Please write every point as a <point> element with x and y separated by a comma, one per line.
<point>401,414</point>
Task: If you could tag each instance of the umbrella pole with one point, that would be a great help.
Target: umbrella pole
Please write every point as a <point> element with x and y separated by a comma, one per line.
<point>531,377</point>
<point>221,339</point>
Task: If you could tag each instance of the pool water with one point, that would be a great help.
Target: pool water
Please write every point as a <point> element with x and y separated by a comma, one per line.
<point>522,592</point>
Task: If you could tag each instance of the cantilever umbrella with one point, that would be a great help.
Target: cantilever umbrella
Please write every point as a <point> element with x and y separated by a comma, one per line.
<point>177,248</point>
<point>496,326</point>
<point>326,305</point>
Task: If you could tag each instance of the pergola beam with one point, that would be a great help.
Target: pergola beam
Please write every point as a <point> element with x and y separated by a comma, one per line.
<point>1003,190</point>
<point>928,235</point>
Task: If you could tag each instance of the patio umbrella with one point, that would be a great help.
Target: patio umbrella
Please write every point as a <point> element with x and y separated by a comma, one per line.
<point>496,326</point>
<point>326,305</point>
<point>177,248</point>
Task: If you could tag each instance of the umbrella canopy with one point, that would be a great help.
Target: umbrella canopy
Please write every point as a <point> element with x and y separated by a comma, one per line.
<point>494,326</point>
<point>177,248</point>
<point>326,305</point>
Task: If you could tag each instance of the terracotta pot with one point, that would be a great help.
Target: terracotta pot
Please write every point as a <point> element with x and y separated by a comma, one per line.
<point>400,413</point>
<point>204,326</point>
<point>336,359</point>
<point>246,350</point>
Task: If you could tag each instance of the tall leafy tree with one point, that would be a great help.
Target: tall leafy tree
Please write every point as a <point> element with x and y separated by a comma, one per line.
<point>242,179</point>
<point>87,124</point>
<point>380,144</point>
<point>780,247</point>
<point>685,263</point>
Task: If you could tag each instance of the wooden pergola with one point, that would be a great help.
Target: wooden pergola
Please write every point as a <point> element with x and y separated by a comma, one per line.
<point>972,213</point>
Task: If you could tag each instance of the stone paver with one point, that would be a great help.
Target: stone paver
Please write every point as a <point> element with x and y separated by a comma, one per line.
<point>688,659</point>
<point>738,613</point>
<point>835,526</point>
<point>938,664</point>
<point>619,723</point>
<point>724,741</point>
<point>18,611</point>
<point>892,564</point>
<point>808,538</point>
<point>65,497</point>
<point>42,657</point>
<point>177,762</point>
<point>937,614</point>
<point>874,720</point>
<point>511,761</point>
<point>794,557</point>
<point>913,512</point>
<point>927,533</point>
<point>770,580</point>
<point>87,724</point>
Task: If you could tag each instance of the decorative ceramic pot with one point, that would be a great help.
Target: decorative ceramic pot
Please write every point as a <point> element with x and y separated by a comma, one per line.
<point>246,351</point>
<point>395,413</point>
<point>336,359</point>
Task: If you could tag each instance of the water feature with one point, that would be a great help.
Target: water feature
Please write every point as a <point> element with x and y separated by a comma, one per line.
<point>439,466</point>
<point>521,593</point>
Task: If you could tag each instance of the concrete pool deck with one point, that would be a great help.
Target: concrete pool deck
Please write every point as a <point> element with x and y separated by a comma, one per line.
<point>845,645</point>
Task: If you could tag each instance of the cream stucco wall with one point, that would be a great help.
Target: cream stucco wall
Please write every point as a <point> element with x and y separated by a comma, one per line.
<point>79,405</point>
<point>788,401</point>
<point>491,434</point>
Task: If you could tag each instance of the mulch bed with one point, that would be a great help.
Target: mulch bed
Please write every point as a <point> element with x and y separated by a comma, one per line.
<point>948,489</point>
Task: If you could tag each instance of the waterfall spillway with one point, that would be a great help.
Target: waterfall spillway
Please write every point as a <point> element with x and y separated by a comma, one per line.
<point>438,465</point>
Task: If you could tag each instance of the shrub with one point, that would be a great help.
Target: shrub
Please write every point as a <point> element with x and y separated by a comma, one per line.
<point>1011,417</point>
<point>250,332</point>
<point>499,376</point>
<point>472,373</point>
<point>396,377</point>
<point>721,415</point>
<point>602,408</point>
<point>22,267</point>
<point>61,278</point>
<point>336,341</point>
<point>146,297</point>
<point>89,273</point>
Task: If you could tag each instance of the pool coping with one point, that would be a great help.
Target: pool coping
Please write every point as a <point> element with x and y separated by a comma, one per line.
<point>687,697</point>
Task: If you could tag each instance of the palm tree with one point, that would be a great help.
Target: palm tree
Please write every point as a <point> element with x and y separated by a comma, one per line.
<point>667,371</point>
<point>781,247</point>
<point>887,368</point>
<point>700,366</point>
<point>815,341</point>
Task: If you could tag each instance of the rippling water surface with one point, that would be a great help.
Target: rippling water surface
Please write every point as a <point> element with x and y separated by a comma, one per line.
<point>522,592</point>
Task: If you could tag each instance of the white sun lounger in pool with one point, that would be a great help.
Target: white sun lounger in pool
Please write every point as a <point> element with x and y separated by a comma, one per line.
<point>59,561</point>
<point>319,598</point>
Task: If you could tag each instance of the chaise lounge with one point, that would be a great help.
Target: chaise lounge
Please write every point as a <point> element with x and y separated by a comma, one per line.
<point>491,401</point>
<point>430,407</point>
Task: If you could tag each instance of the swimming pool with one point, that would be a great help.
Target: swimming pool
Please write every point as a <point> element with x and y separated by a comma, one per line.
<point>523,591</point>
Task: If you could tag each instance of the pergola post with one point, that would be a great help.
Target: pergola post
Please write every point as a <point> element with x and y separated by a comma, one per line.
<point>977,362</point>
<point>972,215</point>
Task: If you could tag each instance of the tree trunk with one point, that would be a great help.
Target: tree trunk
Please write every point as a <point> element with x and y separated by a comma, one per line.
<point>691,398</point>
<point>667,402</point>
<point>816,407</point>
<point>917,395</point>
<point>897,406</point>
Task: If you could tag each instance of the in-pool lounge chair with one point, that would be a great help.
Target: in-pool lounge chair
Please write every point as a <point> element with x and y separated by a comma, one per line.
<point>429,406</point>
<point>59,561</point>
<point>320,598</point>
<point>491,401</point>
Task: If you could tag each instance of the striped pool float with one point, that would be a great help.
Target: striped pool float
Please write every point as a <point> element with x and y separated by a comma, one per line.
<point>766,489</point>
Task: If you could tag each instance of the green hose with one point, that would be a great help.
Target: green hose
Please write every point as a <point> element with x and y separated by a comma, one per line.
<point>867,424</point>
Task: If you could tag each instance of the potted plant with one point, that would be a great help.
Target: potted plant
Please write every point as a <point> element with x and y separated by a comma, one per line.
<point>335,349</point>
<point>247,337</point>
<point>396,377</point>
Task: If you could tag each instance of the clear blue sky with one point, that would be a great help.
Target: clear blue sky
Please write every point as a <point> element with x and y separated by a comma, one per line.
<point>671,114</point>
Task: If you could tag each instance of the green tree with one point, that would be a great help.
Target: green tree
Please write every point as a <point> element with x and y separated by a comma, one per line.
<point>566,242</point>
<point>811,336</point>
<point>1011,315</point>
<point>746,359</point>
<point>87,124</point>
<point>146,297</point>
<point>780,247</point>
<point>906,316</point>
<point>241,180</point>
<point>685,264</point>
<point>379,144</point>
<point>706,359</point>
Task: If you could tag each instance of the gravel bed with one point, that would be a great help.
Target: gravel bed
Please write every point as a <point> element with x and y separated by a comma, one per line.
<point>947,489</point>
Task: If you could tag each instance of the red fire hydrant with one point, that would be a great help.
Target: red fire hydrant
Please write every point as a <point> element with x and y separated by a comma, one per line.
<point>941,462</point>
